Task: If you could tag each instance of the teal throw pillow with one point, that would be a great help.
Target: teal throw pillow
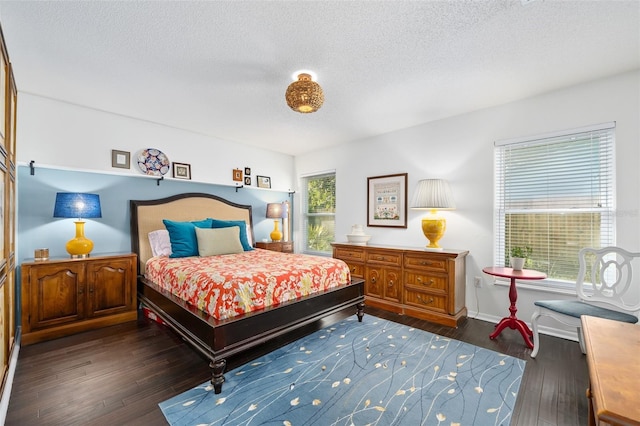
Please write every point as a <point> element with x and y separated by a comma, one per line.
<point>183,236</point>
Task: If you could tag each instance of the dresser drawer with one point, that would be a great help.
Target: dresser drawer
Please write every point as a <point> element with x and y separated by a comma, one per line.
<point>356,269</point>
<point>426,281</point>
<point>346,254</point>
<point>384,258</point>
<point>422,262</point>
<point>423,300</point>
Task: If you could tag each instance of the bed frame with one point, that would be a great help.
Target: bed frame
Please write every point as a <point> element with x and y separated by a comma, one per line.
<point>219,339</point>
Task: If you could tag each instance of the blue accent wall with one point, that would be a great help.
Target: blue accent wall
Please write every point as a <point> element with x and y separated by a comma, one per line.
<point>37,228</point>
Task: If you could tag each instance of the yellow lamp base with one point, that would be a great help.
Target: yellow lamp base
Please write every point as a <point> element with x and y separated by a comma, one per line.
<point>275,235</point>
<point>80,246</point>
<point>433,227</point>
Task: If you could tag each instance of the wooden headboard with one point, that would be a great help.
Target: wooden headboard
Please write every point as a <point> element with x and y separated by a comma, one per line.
<point>147,216</point>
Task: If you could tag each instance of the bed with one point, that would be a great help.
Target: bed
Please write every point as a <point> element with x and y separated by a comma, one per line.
<point>218,339</point>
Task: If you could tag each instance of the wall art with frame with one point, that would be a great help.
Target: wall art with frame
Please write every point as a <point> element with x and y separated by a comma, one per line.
<point>181,171</point>
<point>387,201</point>
<point>120,159</point>
<point>263,181</point>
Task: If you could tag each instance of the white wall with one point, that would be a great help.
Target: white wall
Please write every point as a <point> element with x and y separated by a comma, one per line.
<point>460,149</point>
<point>69,136</point>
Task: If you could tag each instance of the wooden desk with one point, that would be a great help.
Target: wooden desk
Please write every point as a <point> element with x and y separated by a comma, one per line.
<point>614,371</point>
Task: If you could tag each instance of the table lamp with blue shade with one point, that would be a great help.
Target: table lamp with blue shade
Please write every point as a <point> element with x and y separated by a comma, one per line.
<point>80,206</point>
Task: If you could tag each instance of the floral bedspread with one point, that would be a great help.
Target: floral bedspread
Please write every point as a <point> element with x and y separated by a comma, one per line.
<point>233,284</point>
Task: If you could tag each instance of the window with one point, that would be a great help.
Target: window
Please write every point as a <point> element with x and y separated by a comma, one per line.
<point>319,213</point>
<point>555,194</point>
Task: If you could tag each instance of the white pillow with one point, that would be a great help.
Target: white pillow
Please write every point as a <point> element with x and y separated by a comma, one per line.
<point>160,243</point>
<point>212,241</point>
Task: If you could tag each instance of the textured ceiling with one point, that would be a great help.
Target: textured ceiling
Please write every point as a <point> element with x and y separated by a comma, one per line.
<point>222,68</point>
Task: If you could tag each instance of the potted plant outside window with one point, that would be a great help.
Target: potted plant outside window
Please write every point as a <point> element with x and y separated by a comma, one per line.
<point>519,256</point>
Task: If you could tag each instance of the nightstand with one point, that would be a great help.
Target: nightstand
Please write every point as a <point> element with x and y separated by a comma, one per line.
<point>284,247</point>
<point>66,296</point>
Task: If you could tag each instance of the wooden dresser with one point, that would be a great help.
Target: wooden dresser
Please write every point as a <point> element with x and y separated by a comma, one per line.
<point>66,296</point>
<point>424,284</point>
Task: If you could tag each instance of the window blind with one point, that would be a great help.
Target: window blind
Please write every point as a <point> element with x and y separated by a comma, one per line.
<point>555,194</point>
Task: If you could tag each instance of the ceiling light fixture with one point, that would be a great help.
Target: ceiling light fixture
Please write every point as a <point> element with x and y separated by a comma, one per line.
<point>304,95</point>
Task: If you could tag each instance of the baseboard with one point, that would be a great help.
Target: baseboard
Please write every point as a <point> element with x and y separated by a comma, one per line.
<point>549,331</point>
<point>6,392</point>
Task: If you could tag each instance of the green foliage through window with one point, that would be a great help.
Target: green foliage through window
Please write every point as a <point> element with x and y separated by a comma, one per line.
<point>321,194</point>
<point>320,208</point>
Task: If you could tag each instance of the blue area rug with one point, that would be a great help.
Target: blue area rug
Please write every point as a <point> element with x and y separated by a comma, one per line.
<point>372,373</point>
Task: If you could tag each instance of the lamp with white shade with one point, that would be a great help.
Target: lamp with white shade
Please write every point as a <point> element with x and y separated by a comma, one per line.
<point>433,195</point>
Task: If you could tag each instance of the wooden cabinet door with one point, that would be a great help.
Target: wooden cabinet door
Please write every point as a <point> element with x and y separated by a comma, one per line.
<point>109,286</point>
<point>373,282</point>
<point>392,284</point>
<point>56,295</point>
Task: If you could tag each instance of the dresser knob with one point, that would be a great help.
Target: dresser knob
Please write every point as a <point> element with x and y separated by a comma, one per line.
<point>390,283</point>
<point>373,280</point>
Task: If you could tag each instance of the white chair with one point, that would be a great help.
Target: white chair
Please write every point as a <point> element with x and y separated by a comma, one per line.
<point>605,289</point>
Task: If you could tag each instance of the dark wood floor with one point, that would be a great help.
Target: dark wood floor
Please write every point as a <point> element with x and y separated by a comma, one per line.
<point>118,375</point>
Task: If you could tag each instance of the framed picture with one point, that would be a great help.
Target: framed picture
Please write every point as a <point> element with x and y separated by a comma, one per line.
<point>247,180</point>
<point>387,201</point>
<point>264,181</point>
<point>237,175</point>
<point>247,171</point>
<point>120,159</point>
<point>181,171</point>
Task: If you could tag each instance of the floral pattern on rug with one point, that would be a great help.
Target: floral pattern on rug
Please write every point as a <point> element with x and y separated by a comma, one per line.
<point>372,373</point>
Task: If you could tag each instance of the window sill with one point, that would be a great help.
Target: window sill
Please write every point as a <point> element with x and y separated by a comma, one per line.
<point>543,286</point>
<point>318,253</point>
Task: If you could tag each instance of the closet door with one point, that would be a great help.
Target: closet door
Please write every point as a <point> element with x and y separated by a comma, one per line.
<point>8,108</point>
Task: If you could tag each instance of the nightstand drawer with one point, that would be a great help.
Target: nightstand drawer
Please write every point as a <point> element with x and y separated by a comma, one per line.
<point>422,262</point>
<point>281,246</point>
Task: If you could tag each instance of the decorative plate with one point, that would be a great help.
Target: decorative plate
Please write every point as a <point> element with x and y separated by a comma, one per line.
<point>153,162</point>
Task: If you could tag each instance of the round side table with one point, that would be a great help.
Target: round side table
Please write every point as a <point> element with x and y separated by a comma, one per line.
<point>512,321</point>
